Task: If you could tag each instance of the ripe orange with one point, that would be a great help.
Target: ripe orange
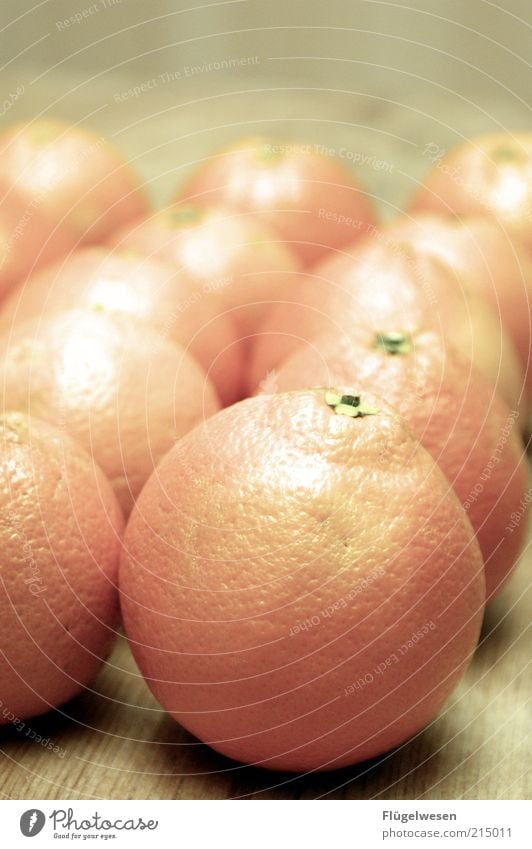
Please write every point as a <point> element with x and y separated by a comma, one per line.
<point>123,392</point>
<point>233,259</point>
<point>60,540</point>
<point>309,198</point>
<point>451,409</point>
<point>28,239</point>
<point>386,284</point>
<point>301,588</point>
<point>484,260</point>
<point>147,290</point>
<point>74,177</point>
<point>488,175</point>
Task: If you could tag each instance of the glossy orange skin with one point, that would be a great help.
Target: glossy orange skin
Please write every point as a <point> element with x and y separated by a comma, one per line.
<point>381,283</point>
<point>233,259</point>
<point>454,413</point>
<point>124,395</point>
<point>488,175</point>
<point>60,541</point>
<point>148,291</point>
<point>311,200</point>
<point>270,513</point>
<point>483,259</point>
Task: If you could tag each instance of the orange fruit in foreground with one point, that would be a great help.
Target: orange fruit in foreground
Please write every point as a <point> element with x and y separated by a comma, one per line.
<point>380,284</point>
<point>454,413</point>
<point>489,175</point>
<point>309,198</point>
<point>60,541</point>
<point>300,588</point>
<point>147,290</point>
<point>234,260</point>
<point>124,395</point>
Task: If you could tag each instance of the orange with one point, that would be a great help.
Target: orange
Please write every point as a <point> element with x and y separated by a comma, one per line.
<point>300,588</point>
<point>381,283</point>
<point>452,410</point>
<point>123,392</point>
<point>488,175</point>
<point>147,290</point>
<point>308,197</point>
<point>234,260</point>
<point>59,185</point>
<point>28,239</point>
<point>74,177</point>
<point>485,260</point>
<point>60,534</point>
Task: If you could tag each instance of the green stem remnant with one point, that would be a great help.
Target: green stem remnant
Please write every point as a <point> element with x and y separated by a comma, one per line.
<point>394,342</point>
<point>506,154</point>
<point>185,215</point>
<point>269,152</point>
<point>348,405</point>
<point>129,254</point>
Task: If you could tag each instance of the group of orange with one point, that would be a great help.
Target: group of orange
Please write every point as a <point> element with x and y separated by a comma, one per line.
<point>303,573</point>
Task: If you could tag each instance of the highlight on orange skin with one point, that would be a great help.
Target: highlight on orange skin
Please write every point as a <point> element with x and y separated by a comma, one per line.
<point>313,202</point>
<point>489,175</point>
<point>234,259</point>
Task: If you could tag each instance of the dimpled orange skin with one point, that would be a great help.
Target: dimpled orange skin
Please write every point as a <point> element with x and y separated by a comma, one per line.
<point>310,199</point>
<point>60,541</point>
<point>234,259</point>
<point>147,290</point>
<point>483,258</point>
<point>275,511</point>
<point>74,177</point>
<point>386,284</point>
<point>456,416</point>
<point>489,175</point>
<point>124,395</point>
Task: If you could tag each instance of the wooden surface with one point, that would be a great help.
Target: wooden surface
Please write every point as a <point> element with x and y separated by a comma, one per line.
<point>115,742</point>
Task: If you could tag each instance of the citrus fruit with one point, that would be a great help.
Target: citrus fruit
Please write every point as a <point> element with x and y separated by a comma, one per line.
<point>381,283</point>
<point>28,239</point>
<point>147,290</point>
<point>234,260</point>
<point>451,409</point>
<point>123,392</point>
<point>310,199</point>
<point>483,259</point>
<point>299,585</point>
<point>60,530</point>
<point>72,176</point>
<point>488,175</point>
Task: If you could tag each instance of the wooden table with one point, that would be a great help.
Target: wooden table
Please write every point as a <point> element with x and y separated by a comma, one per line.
<point>115,742</point>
